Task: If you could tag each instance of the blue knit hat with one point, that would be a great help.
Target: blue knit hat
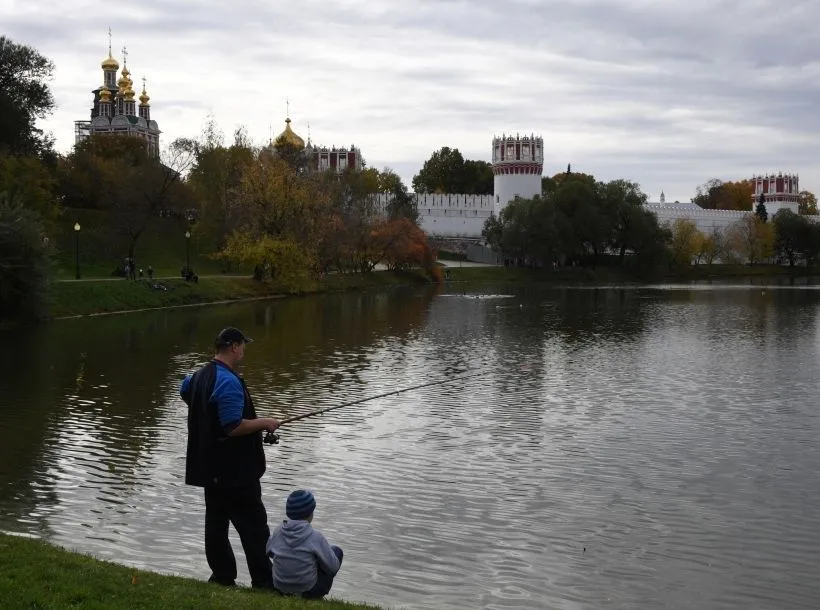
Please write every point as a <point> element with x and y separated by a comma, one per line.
<point>300,505</point>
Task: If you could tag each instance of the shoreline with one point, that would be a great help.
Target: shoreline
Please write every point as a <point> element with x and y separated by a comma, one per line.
<point>88,299</point>
<point>37,574</point>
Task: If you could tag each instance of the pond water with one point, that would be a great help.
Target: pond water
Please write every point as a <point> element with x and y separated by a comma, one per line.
<point>610,447</point>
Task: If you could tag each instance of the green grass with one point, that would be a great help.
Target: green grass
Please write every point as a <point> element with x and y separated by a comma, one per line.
<point>37,576</point>
<point>71,298</point>
<point>101,249</point>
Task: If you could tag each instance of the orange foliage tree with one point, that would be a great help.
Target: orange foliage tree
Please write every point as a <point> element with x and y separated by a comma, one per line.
<point>401,244</point>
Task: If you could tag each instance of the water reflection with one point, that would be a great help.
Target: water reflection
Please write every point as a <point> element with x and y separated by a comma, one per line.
<point>670,432</point>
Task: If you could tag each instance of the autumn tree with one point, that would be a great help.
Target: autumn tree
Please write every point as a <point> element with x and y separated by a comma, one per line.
<point>402,245</point>
<point>281,217</point>
<point>708,248</point>
<point>808,203</point>
<point>751,239</point>
<point>685,242</point>
<point>24,98</point>
<point>352,210</point>
<point>718,195</point>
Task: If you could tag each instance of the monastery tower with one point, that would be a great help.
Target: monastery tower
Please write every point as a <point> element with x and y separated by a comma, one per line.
<point>517,165</point>
<point>779,192</point>
<point>114,109</point>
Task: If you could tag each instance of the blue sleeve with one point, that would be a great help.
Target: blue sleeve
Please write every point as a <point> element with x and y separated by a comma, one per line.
<point>183,389</point>
<point>229,397</point>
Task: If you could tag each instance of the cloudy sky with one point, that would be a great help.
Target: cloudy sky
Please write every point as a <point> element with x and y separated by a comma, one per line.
<point>666,93</point>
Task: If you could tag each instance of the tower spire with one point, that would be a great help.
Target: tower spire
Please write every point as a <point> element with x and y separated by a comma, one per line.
<point>109,41</point>
<point>124,56</point>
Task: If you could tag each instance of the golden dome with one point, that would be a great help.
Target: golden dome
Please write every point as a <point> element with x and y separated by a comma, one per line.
<point>123,83</point>
<point>144,97</point>
<point>105,95</point>
<point>129,94</point>
<point>109,63</point>
<point>289,137</point>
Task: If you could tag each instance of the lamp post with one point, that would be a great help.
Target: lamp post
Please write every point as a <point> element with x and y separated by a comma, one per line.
<point>77,249</point>
<point>188,251</point>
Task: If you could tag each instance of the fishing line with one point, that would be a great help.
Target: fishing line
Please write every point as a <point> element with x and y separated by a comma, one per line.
<point>272,438</point>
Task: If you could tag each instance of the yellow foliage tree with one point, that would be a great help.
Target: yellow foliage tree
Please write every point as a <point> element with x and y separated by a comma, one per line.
<point>808,203</point>
<point>282,216</point>
<point>707,248</point>
<point>751,239</point>
<point>282,259</point>
<point>685,241</point>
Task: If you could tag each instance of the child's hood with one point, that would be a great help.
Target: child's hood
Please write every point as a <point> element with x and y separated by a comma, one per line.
<point>295,532</point>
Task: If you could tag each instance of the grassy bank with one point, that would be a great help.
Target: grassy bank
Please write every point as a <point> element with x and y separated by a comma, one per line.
<point>72,298</point>
<point>34,574</point>
<point>616,275</point>
<point>89,297</point>
<point>101,249</point>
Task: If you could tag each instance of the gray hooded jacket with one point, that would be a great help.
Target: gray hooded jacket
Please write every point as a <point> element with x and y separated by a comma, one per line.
<point>298,551</point>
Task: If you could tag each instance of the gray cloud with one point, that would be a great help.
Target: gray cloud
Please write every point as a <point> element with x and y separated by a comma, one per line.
<point>666,93</point>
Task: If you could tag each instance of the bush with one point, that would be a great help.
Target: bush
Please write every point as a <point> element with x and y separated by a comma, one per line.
<point>25,262</point>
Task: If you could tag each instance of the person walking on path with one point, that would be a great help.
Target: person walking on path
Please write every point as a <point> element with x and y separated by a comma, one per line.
<point>226,458</point>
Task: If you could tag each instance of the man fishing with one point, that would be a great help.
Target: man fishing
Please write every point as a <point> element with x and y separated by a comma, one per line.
<point>225,456</point>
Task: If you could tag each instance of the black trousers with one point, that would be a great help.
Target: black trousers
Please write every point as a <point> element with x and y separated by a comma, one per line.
<point>243,507</point>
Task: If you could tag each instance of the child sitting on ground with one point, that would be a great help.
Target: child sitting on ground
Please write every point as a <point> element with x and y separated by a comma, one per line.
<point>304,562</point>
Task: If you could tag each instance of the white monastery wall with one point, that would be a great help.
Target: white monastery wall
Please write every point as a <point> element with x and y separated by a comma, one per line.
<point>707,221</point>
<point>448,215</point>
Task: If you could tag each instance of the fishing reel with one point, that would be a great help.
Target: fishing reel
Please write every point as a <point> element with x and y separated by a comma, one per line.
<point>271,438</point>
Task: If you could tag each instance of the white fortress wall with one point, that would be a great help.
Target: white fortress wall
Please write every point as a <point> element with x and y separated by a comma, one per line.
<point>706,221</point>
<point>461,215</point>
<point>449,214</point>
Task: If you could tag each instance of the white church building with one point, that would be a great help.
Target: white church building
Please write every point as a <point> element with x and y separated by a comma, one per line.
<point>518,164</point>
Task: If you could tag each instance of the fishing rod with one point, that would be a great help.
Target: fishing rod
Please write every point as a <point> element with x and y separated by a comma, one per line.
<point>272,438</point>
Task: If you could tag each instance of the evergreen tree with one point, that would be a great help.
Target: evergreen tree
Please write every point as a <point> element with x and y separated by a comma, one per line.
<point>760,210</point>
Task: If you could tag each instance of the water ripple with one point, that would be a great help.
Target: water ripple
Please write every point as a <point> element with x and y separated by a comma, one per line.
<point>605,448</point>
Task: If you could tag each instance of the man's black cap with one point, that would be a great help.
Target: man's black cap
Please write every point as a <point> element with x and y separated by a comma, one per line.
<point>229,336</point>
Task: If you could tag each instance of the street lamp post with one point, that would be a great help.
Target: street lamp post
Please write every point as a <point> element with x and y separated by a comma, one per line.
<point>77,250</point>
<point>188,251</point>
